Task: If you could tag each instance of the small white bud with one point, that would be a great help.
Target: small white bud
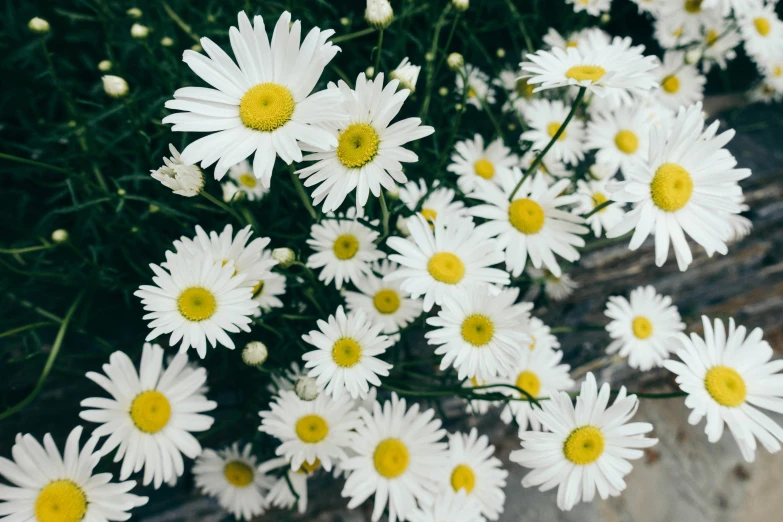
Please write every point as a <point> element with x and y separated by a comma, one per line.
<point>115,86</point>
<point>394,193</point>
<point>605,18</point>
<point>60,235</point>
<point>196,47</point>
<point>407,74</point>
<point>370,71</point>
<point>455,61</point>
<point>139,31</point>
<point>153,208</point>
<point>184,180</point>
<point>458,107</point>
<point>345,21</point>
<point>693,56</point>
<point>500,52</point>
<point>443,91</point>
<point>379,13</point>
<point>134,12</point>
<point>104,65</point>
<point>460,5</point>
<point>166,41</point>
<point>254,353</point>
<point>121,192</point>
<point>428,56</point>
<point>306,388</point>
<point>402,226</point>
<point>38,25</point>
<point>285,257</point>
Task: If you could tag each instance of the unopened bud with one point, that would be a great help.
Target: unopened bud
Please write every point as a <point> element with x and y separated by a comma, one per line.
<point>285,257</point>
<point>134,12</point>
<point>370,71</point>
<point>115,86</point>
<point>500,52</point>
<point>139,31</point>
<point>60,235</point>
<point>38,25</point>
<point>306,388</point>
<point>254,353</point>
<point>104,65</point>
<point>460,5</point>
<point>693,56</point>
<point>455,61</point>
<point>166,41</point>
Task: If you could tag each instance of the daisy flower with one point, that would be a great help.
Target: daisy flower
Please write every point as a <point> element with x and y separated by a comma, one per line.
<point>472,162</point>
<point>689,184</point>
<point>557,288</point>
<point>642,328</point>
<point>270,285</point>
<point>47,486</point>
<point>246,182</point>
<point>230,475</point>
<point>474,470</point>
<point>397,452</point>
<point>531,225</point>
<point>690,16</point>
<point>310,431</point>
<point>620,136</point>
<point>454,507</point>
<point>589,195</point>
<point>265,105</point>
<point>762,32</point>
<point>280,494</point>
<point>585,448</point>
<point>720,42</point>
<point>681,84</point>
<point>648,6</point>
<point>344,248</point>
<point>544,117</point>
<point>152,414</point>
<point>478,86</point>
<point>407,74</point>
<point>540,333</point>
<point>591,7</point>
<point>728,377</point>
<point>346,354</point>
<point>555,40</point>
<point>725,6</point>
<point>436,262</point>
<point>369,152</point>
<point>382,301</point>
<point>287,380</point>
<point>182,179</point>
<point>669,34</point>
<point>197,298</point>
<point>436,203</point>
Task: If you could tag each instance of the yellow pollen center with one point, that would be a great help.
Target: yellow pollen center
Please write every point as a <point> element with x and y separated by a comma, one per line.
<point>581,73</point>
<point>345,246</point>
<point>777,71</point>
<point>523,88</point>
<point>308,468</point>
<point>677,32</point>
<point>711,38</point>
<point>463,478</point>
<point>258,289</point>
<point>346,352</point>
<point>552,129</point>
<point>357,145</point>
<point>642,327</point>
<point>150,411</point>
<point>484,169</point>
<point>386,301</point>
<point>671,84</point>
<point>266,107</point>
<point>584,445</point>
<point>693,6</point>
<point>599,198</point>
<point>671,187</point>
<point>529,382</point>
<point>471,92</point>
<point>311,429</point>
<point>726,386</point>
<point>446,268</point>
<point>526,215</point>
<point>762,26</point>
<point>430,215</point>
<point>626,141</point>
<point>477,329</point>
<point>248,180</point>
<point>391,458</point>
<point>196,303</point>
<point>238,474</point>
<point>572,43</point>
<point>60,501</point>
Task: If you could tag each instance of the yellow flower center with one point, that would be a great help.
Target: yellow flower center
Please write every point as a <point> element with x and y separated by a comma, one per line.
<point>642,327</point>
<point>391,458</point>
<point>311,429</point>
<point>677,32</point>
<point>196,303</point>
<point>711,38</point>
<point>346,352</point>
<point>626,141</point>
<point>248,180</point>
<point>777,71</point>
<point>671,187</point>
<point>386,301</point>
<point>484,168</point>
<point>671,84</point>
<point>471,92</point>
<point>552,129</point>
<point>693,6</point>
<point>430,215</point>
<point>266,107</point>
<point>762,26</point>
<point>599,198</point>
<point>526,215</point>
<point>585,72</point>
<point>357,145</point>
<point>60,501</point>
<point>446,268</point>
<point>523,88</point>
<point>572,43</point>
<point>584,445</point>
<point>150,411</point>
<point>258,289</point>
<point>529,382</point>
<point>463,478</point>
<point>477,329</point>
<point>238,473</point>
<point>308,468</point>
<point>345,246</point>
<point>726,386</point>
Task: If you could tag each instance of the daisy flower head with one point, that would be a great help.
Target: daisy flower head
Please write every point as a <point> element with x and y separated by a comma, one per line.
<point>545,118</point>
<point>344,248</point>
<point>152,414</point>
<point>436,262</point>
<point>197,299</point>
<point>280,493</point>
<point>477,84</point>
<point>310,431</point>
<point>47,486</point>
<point>729,377</point>
<point>591,7</point>
<point>550,168</point>
<point>473,162</point>
<point>540,333</point>
<point>584,448</point>
<point>766,91</point>
<point>689,185</point>
<point>557,288</point>
<point>454,507</point>
<point>669,33</point>
<point>554,40</point>
<point>725,6</point>
<point>591,194</point>
<point>648,6</point>
<point>681,84</point>
<point>346,354</point>
<point>184,180</point>
<point>246,182</point>
<point>384,302</point>
<point>397,452</point>
<point>287,380</point>
<point>407,74</point>
<point>531,225</point>
<point>762,32</point>
<point>437,203</point>
<point>269,286</point>
<point>476,331</point>
<point>620,136</point>
<point>230,475</point>
<point>369,152</point>
<point>642,328</point>
<point>689,16</point>
<point>720,42</point>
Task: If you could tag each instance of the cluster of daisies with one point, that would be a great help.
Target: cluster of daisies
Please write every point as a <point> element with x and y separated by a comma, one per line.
<point>613,143</point>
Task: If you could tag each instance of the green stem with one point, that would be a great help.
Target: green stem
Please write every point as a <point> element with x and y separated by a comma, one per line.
<point>26,249</point>
<point>485,106</point>
<point>351,36</point>
<point>303,195</point>
<point>33,163</point>
<point>31,326</point>
<point>384,218</point>
<point>430,65</point>
<point>222,206</point>
<point>522,28</point>
<point>378,55</point>
<point>598,208</point>
<point>182,25</point>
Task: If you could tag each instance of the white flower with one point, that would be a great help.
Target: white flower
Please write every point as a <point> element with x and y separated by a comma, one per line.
<point>687,17</point>
<point>591,194</point>
<point>437,203</point>
<point>152,414</point>
<point>407,74</point>
<point>49,486</point>
<point>104,65</point>
<point>230,475</point>
<point>448,506</point>
<point>648,6</point>
<point>369,152</point>
<point>280,494</point>
<point>310,431</point>
<point>184,180</point>
<point>477,84</point>
<point>642,328</point>
<point>397,454</point>
<point>557,288</point>
<point>728,377</point>
<point>60,235</point>
<point>114,86</point>
<point>285,257</point>
<point>379,13</point>
<point>346,355</point>
<point>762,32</point>
<point>38,25</point>
<point>620,136</point>
<point>244,179</point>
<point>254,353</point>
<point>545,118</point>
<point>287,381</point>
<point>436,262</point>
<point>720,42</point>
<point>592,7</point>
<point>549,167</point>
<point>577,39</point>
<point>269,286</point>
<point>139,31</point>
<point>681,84</point>
<point>263,106</point>
<point>473,162</point>
<point>540,333</point>
<point>460,5</point>
<point>587,447</point>
<point>455,61</point>
<point>689,185</point>
<point>725,6</point>
<point>306,388</point>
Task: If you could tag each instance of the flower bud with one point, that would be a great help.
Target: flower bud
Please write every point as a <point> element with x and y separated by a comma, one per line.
<point>285,257</point>
<point>443,91</point>
<point>407,74</point>
<point>166,41</point>
<point>115,86</point>
<point>104,65</point>
<point>693,56</point>
<point>428,56</point>
<point>134,12</point>
<point>455,61</point>
<point>139,31</point>
<point>379,13</point>
<point>605,18</point>
<point>370,71</point>
<point>306,388</point>
<point>184,180</point>
<point>38,25</point>
<point>460,5</point>
<point>500,52</point>
<point>60,235</point>
<point>345,21</point>
<point>254,353</point>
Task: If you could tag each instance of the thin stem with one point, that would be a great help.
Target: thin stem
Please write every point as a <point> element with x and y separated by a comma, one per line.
<point>31,326</point>
<point>182,25</point>
<point>598,208</point>
<point>375,69</point>
<point>303,195</point>
<point>33,163</point>
<point>351,36</point>
<point>222,206</point>
<point>485,106</point>
<point>15,251</point>
<point>533,166</point>
<point>430,65</point>
<point>384,218</point>
<point>522,28</point>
